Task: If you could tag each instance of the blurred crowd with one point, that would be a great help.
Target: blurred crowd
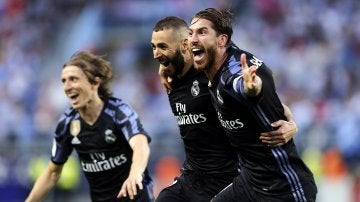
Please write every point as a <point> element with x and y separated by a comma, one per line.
<point>313,48</point>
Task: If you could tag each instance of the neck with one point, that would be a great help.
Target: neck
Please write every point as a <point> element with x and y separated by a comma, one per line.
<point>92,110</point>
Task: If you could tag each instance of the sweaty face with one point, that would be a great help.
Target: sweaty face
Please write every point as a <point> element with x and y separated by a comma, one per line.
<point>77,87</point>
<point>203,43</point>
<point>166,50</point>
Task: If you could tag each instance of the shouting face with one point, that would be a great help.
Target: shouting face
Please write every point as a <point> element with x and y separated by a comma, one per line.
<point>77,87</point>
<point>203,43</point>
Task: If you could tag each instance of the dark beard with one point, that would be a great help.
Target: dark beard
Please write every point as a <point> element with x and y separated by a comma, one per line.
<point>211,52</point>
<point>178,62</point>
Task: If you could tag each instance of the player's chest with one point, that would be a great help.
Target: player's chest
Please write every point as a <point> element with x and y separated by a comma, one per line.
<point>193,98</point>
<point>102,134</point>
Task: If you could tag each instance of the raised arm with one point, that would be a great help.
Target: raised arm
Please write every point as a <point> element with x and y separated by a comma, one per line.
<point>45,183</point>
<point>252,82</point>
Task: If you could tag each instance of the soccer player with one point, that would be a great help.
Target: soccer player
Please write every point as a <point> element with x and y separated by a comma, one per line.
<point>246,103</point>
<point>211,163</point>
<point>111,143</point>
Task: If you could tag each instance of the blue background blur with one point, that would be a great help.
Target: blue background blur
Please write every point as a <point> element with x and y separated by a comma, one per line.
<point>313,48</point>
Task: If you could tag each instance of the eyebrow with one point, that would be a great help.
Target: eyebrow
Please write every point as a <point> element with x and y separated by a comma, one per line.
<point>162,44</point>
<point>200,29</point>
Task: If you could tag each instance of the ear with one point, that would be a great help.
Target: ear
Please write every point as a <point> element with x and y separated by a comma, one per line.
<point>184,45</point>
<point>97,81</point>
<point>222,39</point>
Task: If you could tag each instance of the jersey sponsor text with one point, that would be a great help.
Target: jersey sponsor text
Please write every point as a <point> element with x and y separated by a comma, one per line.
<point>230,124</point>
<point>190,119</point>
<point>103,164</point>
<point>187,119</point>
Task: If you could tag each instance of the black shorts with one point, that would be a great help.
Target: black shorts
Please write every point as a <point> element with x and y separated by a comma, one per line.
<point>194,187</point>
<point>241,190</point>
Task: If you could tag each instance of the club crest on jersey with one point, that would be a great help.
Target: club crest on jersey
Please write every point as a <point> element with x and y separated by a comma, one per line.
<point>219,98</point>
<point>195,90</point>
<point>75,128</point>
<point>109,136</point>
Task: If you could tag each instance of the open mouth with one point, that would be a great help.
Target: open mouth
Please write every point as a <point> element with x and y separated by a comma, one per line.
<point>198,53</point>
<point>168,69</point>
<point>164,61</point>
<point>73,96</point>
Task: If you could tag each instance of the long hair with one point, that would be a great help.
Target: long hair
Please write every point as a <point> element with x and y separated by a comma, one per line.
<point>94,66</point>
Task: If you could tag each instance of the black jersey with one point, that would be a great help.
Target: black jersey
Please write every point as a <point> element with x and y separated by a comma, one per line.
<point>207,148</point>
<point>103,149</point>
<point>270,170</point>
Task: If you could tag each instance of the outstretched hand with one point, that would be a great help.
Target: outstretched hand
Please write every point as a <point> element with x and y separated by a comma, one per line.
<point>252,83</point>
<point>130,186</point>
<point>165,79</point>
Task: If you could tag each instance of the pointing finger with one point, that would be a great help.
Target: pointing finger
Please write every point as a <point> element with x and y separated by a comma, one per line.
<point>243,61</point>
